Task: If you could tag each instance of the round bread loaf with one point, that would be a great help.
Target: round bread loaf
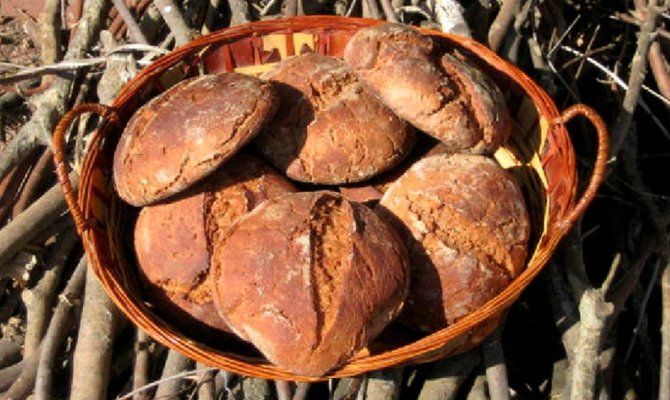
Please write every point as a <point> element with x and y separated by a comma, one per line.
<point>328,129</point>
<point>173,240</point>
<point>185,133</point>
<point>446,98</point>
<point>466,227</point>
<point>310,278</point>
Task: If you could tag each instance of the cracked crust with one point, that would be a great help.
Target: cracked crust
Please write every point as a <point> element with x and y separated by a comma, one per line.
<point>329,130</point>
<point>466,225</point>
<point>173,240</point>
<point>296,270</point>
<point>184,134</point>
<point>446,98</point>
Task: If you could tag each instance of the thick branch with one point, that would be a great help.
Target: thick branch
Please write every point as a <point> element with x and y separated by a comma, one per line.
<point>496,370</point>
<point>384,384</point>
<point>175,21</point>
<point>503,20</point>
<point>133,28</point>
<point>175,363</point>
<point>141,367</point>
<point>448,375</point>
<point>93,352</point>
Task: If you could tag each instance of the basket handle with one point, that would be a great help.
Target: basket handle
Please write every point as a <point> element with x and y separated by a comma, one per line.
<point>106,113</point>
<point>599,166</point>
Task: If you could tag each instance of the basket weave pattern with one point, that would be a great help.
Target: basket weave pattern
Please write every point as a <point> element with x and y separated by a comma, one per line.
<point>539,154</point>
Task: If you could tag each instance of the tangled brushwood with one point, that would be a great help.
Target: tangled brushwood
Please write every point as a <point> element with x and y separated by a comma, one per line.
<point>596,322</point>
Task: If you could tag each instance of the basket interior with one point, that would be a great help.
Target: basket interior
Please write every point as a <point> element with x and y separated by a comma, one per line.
<point>537,156</point>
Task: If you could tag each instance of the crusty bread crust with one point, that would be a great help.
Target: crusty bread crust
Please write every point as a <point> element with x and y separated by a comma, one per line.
<point>173,240</point>
<point>446,98</point>
<point>310,279</point>
<point>466,226</point>
<point>328,129</point>
<point>187,132</point>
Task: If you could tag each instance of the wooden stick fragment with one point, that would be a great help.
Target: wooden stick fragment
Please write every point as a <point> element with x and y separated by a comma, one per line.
<point>141,367</point>
<point>93,352</point>
<point>664,382</point>
<point>256,388</point>
<point>496,370</point>
<point>133,28</point>
<point>53,340</point>
<point>174,364</point>
<point>447,376</point>
<point>10,352</point>
<point>175,21</point>
<point>384,384</point>
<point>502,22</point>
<point>283,390</point>
<point>206,383</point>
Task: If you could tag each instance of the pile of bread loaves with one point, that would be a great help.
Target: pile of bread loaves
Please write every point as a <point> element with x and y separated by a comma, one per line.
<point>303,212</point>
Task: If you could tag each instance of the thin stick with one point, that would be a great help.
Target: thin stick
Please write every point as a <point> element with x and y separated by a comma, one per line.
<point>637,75</point>
<point>42,169</point>
<point>205,383</point>
<point>256,388</point>
<point>133,28</point>
<point>9,375</point>
<point>388,10</point>
<point>447,376</point>
<point>53,340</point>
<point>283,390</point>
<point>141,367</point>
<point>496,370</point>
<point>371,9</point>
<point>175,21</point>
<point>664,383</point>
<point>95,339</point>
<point>151,385</point>
<point>502,22</point>
<point>384,384</point>
<point>40,215</point>
<point>658,68</point>
<point>175,363</point>
<point>40,297</point>
<point>239,10</point>
<point>301,390</point>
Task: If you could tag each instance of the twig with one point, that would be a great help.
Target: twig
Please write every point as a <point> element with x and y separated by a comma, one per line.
<point>151,385</point>
<point>301,390</point>
<point>637,75</point>
<point>39,298</point>
<point>24,383</point>
<point>256,388</point>
<point>384,384</point>
<point>175,21</point>
<point>347,388</point>
<point>40,215</point>
<point>51,105</point>
<point>496,370</point>
<point>93,352</point>
<point>42,169</point>
<point>659,70</point>
<point>371,9</point>
<point>9,375</point>
<point>141,367</point>
<point>283,390</point>
<point>502,22</point>
<point>10,352</point>
<point>239,12</point>
<point>49,28</point>
<point>447,376</point>
<point>388,11</point>
<point>175,363</point>
<point>664,383</point>
<point>133,28</point>
<point>206,383</point>
<point>53,339</point>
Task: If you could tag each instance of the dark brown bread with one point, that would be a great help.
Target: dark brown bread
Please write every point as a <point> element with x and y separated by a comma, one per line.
<point>328,129</point>
<point>447,98</point>
<point>185,133</point>
<point>467,228</point>
<point>173,240</point>
<point>310,279</point>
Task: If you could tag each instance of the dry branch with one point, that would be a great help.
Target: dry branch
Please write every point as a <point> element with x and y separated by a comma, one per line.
<point>42,170</point>
<point>52,104</point>
<point>502,22</point>
<point>448,375</point>
<point>496,370</point>
<point>9,375</point>
<point>40,215</point>
<point>664,383</point>
<point>175,21</point>
<point>141,367</point>
<point>637,75</point>
<point>388,11</point>
<point>39,298</point>
<point>10,352</point>
<point>256,388</point>
<point>133,28</point>
<point>239,12</point>
<point>174,364</point>
<point>301,390</point>
<point>659,69</point>
<point>283,390</point>
<point>93,352</point>
<point>384,384</point>
<point>53,340</point>
<point>206,383</point>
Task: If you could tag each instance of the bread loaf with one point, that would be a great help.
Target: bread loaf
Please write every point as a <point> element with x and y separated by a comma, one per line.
<point>328,129</point>
<point>185,133</point>
<point>446,98</point>
<point>466,226</point>
<point>309,279</point>
<point>173,240</point>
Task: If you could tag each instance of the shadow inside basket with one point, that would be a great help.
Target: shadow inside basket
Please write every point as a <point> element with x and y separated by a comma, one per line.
<point>114,219</point>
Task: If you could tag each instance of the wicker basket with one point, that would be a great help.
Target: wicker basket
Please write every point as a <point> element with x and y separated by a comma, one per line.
<point>539,153</point>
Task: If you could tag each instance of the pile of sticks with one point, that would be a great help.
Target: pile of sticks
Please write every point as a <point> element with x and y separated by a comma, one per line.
<point>602,306</point>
